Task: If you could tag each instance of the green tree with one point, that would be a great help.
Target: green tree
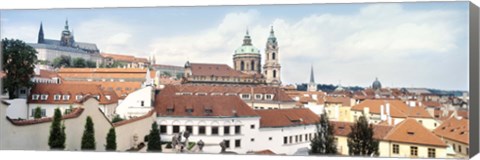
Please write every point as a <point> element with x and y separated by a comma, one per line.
<point>88,138</point>
<point>111,140</point>
<point>91,64</point>
<point>79,63</point>
<point>56,139</point>
<point>18,65</point>
<point>154,144</point>
<point>62,61</point>
<point>117,118</point>
<point>38,113</point>
<point>324,140</point>
<point>360,140</point>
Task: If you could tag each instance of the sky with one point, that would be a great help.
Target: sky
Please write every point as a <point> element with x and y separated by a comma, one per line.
<point>403,44</point>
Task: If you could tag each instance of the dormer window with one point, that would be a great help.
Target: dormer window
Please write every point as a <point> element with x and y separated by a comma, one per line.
<point>245,96</point>
<point>208,111</point>
<point>201,94</point>
<point>35,97</point>
<point>108,97</point>
<point>216,94</point>
<point>411,133</point>
<point>44,97</point>
<point>189,110</point>
<point>78,97</point>
<point>56,97</point>
<point>269,96</point>
<point>258,96</point>
<point>170,110</point>
<point>66,97</point>
<point>97,97</point>
<point>231,94</point>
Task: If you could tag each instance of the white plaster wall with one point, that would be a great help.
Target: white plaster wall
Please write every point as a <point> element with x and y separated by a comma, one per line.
<point>131,105</point>
<point>126,132</point>
<point>49,108</point>
<point>18,109</point>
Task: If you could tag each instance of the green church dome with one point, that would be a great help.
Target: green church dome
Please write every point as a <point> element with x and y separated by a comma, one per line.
<point>246,50</point>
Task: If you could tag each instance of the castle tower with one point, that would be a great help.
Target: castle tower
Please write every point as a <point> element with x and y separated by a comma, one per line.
<point>312,86</point>
<point>272,66</point>
<point>41,38</point>
<point>247,58</point>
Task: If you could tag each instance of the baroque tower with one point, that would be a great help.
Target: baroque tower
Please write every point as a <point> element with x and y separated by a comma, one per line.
<point>247,58</point>
<point>272,66</point>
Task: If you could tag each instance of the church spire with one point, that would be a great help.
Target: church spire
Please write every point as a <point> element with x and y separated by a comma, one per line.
<point>312,78</point>
<point>40,34</point>
<point>66,24</point>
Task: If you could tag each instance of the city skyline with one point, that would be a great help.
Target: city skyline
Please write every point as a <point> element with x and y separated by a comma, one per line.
<point>407,45</point>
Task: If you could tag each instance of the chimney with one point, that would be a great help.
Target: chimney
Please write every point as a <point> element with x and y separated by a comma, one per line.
<point>382,116</point>
<point>389,119</point>
<point>388,109</point>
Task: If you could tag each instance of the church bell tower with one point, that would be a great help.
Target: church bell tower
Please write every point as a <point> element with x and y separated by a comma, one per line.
<point>272,67</point>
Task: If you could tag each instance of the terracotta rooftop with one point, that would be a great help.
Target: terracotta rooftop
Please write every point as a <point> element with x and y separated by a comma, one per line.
<point>47,74</point>
<point>123,58</point>
<point>70,89</point>
<point>279,94</point>
<point>432,104</point>
<point>201,106</point>
<point>131,120</point>
<point>286,117</point>
<point>462,113</point>
<point>120,88</point>
<point>75,113</point>
<point>344,128</point>
<point>455,129</point>
<point>410,131</point>
<point>218,70</point>
<point>397,107</point>
<point>102,70</point>
<point>418,112</point>
<point>345,101</point>
<point>264,152</point>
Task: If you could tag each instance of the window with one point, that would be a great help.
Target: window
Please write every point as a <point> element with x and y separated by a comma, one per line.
<point>290,139</point>
<point>214,130</point>
<point>163,129</point>
<point>242,66</point>
<point>296,138</point>
<point>237,143</point>
<point>252,139</point>
<point>413,151</point>
<point>119,88</point>
<point>396,149</point>
<point>23,91</point>
<point>273,54</point>
<point>454,148</point>
<point>431,152</point>
<point>78,97</point>
<point>285,140</point>
<point>188,110</point>
<point>269,138</point>
<point>108,97</point>
<point>176,129</point>
<point>189,129</point>
<point>227,143</point>
<point>258,96</point>
<point>306,137</point>
<point>170,110</point>
<point>66,97</point>
<point>42,112</point>
<point>274,73</point>
<point>300,138</point>
<point>269,96</point>
<point>252,65</point>
<point>97,97</point>
<point>56,97</point>
<point>237,130</point>
<point>44,97</point>
<point>226,130</point>
<point>252,126</point>
<point>435,124</point>
<point>208,111</point>
<point>460,148</point>
<point>245,96</point>
<point>35,97</point>
<point>201,130</point>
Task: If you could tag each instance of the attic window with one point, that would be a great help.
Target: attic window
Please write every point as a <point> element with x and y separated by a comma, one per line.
<point>108,97</point>
<point>208,111</point>
<point>201,94</point>
<point>66,97</point>
<point>78,97</point>
<point>35,97</point>
<point>56,97</point>
<point>463,132</point>
<point>411,133</point>
<point>170,110</point>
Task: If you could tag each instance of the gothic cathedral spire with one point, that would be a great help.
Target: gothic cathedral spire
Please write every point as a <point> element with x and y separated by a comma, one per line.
<point>272,66</point>
<point>41,38</point>
<point>312,86</point>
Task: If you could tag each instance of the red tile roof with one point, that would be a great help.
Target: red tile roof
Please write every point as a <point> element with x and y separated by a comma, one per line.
<point>344,128</point>
<point>455,129</point>
<point>47,74</point>
<point>279,94</point>
<point>397,107</point>
<point>410,131</point>
<point>432,104</point>
<point>202,106</point>
<point>220,70</point>
<point>120,88</point>
<point>71,89</point>
<point>264,152</point>
<point>128,121</point>
<point>345,101</point>
<point>75,113</point>
<point>287,117</point>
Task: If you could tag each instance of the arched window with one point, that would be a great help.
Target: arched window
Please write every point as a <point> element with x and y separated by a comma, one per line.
<point>273,55</point>
<point>268,56</point>
<point>252,65</point>
<point>242,66</point>
<point>274,74</point>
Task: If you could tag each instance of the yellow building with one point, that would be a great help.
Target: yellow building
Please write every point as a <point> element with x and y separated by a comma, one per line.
<point>454,132</point>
